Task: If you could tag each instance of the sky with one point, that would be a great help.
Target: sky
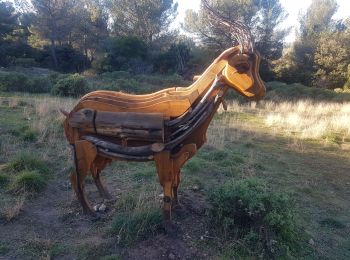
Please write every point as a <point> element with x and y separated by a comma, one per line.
<point>292,7</point>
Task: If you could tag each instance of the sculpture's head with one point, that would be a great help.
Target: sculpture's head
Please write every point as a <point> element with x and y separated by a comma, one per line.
<point>242,74</point>
<point>243,61</point>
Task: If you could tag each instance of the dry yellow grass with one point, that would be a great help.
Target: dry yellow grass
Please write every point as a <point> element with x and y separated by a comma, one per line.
<point>303,119</point>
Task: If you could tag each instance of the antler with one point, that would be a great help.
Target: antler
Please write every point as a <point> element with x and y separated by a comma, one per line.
<point>239,30</point>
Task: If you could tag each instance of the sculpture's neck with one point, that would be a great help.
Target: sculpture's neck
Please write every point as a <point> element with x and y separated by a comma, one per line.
<point>202,85</point>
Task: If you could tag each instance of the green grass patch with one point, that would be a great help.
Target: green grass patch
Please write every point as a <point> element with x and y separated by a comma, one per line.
<point>136,220</point>
<point>25,133</point>
<point>27,161</point>
<point>30,181</point>
<point>4,179</point>
<point>4,248</point>
<point>144,174</point>
<point>332,223</point>
<point>111,257</point>
<point>264,222</point>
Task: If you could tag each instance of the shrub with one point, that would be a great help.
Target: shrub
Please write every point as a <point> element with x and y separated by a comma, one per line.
<point>30,181</point>
<point>15,81</point>
<point>4,179</point>
<point>74,85</point>
<point>248,211</point>
<point>25,62</point>
<point>27,161</point>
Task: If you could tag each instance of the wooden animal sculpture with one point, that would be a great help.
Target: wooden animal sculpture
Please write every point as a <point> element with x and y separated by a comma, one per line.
<point>168,126</point>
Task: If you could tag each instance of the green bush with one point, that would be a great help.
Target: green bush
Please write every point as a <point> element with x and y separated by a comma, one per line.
<point>4,179</point>
<point>27,161</point>
<point>25,62</point>
<point>19,82</point>
<point>74,85</point>
<point>30,181</point>
<point>297,91</point>
<point>248,211</point>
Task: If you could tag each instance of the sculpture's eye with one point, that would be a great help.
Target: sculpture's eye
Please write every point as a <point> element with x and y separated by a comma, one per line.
<point>242,67</point>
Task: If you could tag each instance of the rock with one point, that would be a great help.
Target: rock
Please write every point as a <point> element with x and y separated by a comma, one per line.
<point>311,242</point>
<point>195,188</point>
<point>171,256</point>
<point>102,208</point>
<point>161,196</point>
<point>96,208</point>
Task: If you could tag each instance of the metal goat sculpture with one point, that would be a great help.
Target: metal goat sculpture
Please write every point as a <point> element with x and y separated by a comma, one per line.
<point>168,126</point>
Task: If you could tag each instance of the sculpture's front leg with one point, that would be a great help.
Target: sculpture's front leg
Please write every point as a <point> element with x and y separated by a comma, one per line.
<point>165,171</point>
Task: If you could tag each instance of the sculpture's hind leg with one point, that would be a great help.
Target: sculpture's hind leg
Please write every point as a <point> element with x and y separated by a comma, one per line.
<point>84,154</point>
<point>98,165</point>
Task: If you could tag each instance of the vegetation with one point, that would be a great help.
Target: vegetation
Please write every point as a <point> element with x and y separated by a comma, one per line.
<point>28,181</point>
<point>73,85</point>
<point>263,220</point>
<point>137,220</point>
<point>294,146</point>
<point>270,183</point>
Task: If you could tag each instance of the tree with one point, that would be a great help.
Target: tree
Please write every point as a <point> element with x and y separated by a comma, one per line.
<point>90,27</point>
<point>13,37</point>
<point>145,19</point>
<point>262,17</point>
<point>53,21</point>
<point>316,21</point>
<point>332,57</point>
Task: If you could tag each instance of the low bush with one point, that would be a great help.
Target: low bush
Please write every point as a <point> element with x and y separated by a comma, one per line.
<point>295,91</point>
<point>74,85</point>
<point>27,161</point>
<point>4,179</point>
<point>20,82</point>
<point>29,181</point>
<point>264,221</point>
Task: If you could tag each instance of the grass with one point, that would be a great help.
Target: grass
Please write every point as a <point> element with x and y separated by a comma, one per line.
<point>262,221</point>
<point>26,161</point>
<point>251,140</point>
<point>28,181</point>
<point>4,248</point>
<point>136,218</point>
<point>4,179</point>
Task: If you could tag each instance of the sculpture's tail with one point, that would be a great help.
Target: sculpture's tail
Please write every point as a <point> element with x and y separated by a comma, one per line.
<point>64,112</point>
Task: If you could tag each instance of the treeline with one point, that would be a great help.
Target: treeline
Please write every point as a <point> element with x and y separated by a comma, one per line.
<point>137,36</point>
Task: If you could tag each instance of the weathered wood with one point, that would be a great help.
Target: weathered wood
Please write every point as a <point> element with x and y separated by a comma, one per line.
<point>168,126</point>
<point>141,126</point>
<point>143,150</point>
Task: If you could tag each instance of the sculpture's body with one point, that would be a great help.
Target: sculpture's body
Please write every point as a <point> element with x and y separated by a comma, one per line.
<point>168,126</point>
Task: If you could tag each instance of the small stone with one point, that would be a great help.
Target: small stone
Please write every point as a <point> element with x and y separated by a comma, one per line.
<point>195,188</point>
<point>102,208</point>
<point>161,195</point>
<point>202,237</point>
<point>171,256</point>
<point>96,208</point>
<point>311,242</point>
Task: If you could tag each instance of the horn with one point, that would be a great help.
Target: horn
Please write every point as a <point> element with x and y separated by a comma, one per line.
<point>238,29</point>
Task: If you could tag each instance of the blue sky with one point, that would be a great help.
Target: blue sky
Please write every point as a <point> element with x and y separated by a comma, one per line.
<point>293,7</point>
